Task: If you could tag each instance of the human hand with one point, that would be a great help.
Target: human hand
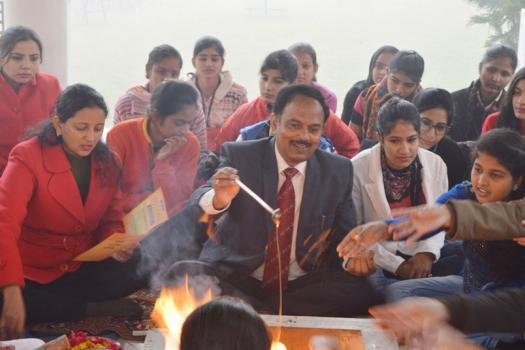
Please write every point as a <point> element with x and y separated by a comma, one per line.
<point>361,238</point>
<point>418,266</point>
<point>172,145</point>
<point>440,338</point>
<point>419,221</point>
<point>124,254</point>
<point>410,316</point>
<point>361,266</point>
<point>12,319</point>
<point>225,187</point>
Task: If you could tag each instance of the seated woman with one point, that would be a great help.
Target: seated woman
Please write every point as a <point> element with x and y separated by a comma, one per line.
<point>485,94</point>
<point>403,78</point>
<point>279,70</point>
<point>377,70</point>
<point>27,96</point>
<point>397,173</point>
<point>437,110</point>
<point>164,63</point>
<point>512,113</point>
<point>163,152</point>
<point>220,95</point>
<point>307,68</point>
<point>224,324</point>
<point>58,198</point>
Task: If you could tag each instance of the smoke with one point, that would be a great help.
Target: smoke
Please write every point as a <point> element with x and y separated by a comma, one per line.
<point>170,253</point>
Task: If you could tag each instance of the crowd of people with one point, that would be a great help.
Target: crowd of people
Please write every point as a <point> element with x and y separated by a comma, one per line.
<point>344,186</point>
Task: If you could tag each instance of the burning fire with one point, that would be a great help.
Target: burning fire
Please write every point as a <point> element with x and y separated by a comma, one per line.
<point>277,345</point>
<point>171,309</point>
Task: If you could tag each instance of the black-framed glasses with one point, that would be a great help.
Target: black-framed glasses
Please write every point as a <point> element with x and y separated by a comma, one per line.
<point>440,128</point>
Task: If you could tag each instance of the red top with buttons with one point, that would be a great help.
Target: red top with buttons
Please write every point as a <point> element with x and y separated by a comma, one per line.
<point>18,111</point>
<point>43,222</point>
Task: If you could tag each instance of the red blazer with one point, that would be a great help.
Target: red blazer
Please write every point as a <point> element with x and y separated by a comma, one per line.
<point>43,223</point>
<point>18,111</point>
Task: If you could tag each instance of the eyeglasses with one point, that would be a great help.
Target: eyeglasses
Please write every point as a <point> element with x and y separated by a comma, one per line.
<point>440,128</point>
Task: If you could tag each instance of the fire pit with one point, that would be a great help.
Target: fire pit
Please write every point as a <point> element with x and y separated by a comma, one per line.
<point>296,333</point>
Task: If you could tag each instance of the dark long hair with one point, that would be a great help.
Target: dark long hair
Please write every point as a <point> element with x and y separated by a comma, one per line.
<point>71,100</point>
<point>507,118</point>
<point>224,324</point>
<point>386,48</point>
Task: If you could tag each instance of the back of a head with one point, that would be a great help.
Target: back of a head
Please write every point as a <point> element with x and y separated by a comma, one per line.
<point>431,98</point>
<point>397,110</point>
<point>172,96</point>
<point>224,324</point>
<point>410,63</point>
<point>283,61</point>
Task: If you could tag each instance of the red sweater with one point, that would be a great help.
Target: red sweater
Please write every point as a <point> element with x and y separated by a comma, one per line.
<point>34,102</point>
<point>491,122</point>
<point>143,173</point>
<point>344,139</point>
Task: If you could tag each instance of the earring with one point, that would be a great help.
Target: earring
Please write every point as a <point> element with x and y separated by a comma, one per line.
<point>58,132</point>
<point>515,187</point>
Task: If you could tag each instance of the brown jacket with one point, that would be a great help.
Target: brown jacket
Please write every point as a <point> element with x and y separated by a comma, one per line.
<point>494,221</point>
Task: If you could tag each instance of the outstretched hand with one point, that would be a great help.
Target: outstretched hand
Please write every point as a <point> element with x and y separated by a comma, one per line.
<point>225,187</point>
<point>419,221</point>
<point>358,241</point>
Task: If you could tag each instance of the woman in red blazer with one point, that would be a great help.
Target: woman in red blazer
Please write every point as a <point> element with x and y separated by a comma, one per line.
<point>59,196</point>
<point>27,96</point>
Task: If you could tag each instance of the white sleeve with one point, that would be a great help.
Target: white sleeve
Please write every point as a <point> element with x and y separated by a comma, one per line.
<point>206,203</point>
<point>385,259</point>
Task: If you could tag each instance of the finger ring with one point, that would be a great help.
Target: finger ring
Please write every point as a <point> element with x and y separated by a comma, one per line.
<point>345,263</point>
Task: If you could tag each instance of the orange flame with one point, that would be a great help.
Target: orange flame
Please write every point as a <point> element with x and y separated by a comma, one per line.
<point>171,309</point>
<point>277,345</point>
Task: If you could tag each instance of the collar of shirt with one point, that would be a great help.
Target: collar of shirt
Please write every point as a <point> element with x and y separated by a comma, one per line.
<point>282,165</point>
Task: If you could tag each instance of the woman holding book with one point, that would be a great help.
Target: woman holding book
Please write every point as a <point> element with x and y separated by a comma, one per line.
<point>59,196</point>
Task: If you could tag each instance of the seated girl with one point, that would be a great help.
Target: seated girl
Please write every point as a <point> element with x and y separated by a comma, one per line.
<point>437,112</point>
<point>512,114</point>
<point>158,150</point>
<point>164,63</point>
<point>377,70</point>
<point>397,173</point>
<point>403,79</point>
<point>59,196</point>
<point>220,95</point>
<point>27,96</point>
<point>307,68</point>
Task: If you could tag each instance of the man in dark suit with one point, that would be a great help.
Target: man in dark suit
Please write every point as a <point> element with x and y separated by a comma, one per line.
<point>313,190</point>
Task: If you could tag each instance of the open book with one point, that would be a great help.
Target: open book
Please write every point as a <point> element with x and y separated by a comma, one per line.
<point>138,223</point>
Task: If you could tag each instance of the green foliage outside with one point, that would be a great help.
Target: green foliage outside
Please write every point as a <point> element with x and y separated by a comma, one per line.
<point>503,17</point>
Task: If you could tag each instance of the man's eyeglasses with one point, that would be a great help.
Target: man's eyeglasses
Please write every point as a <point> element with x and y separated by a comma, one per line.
<point>440,128</point>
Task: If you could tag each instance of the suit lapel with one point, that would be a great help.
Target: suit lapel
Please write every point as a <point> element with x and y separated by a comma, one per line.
<point>270,180</point>
<point>311,195</point>
<point>62,185</point>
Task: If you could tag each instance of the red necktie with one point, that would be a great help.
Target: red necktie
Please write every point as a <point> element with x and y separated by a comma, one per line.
<point>281,242</point>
